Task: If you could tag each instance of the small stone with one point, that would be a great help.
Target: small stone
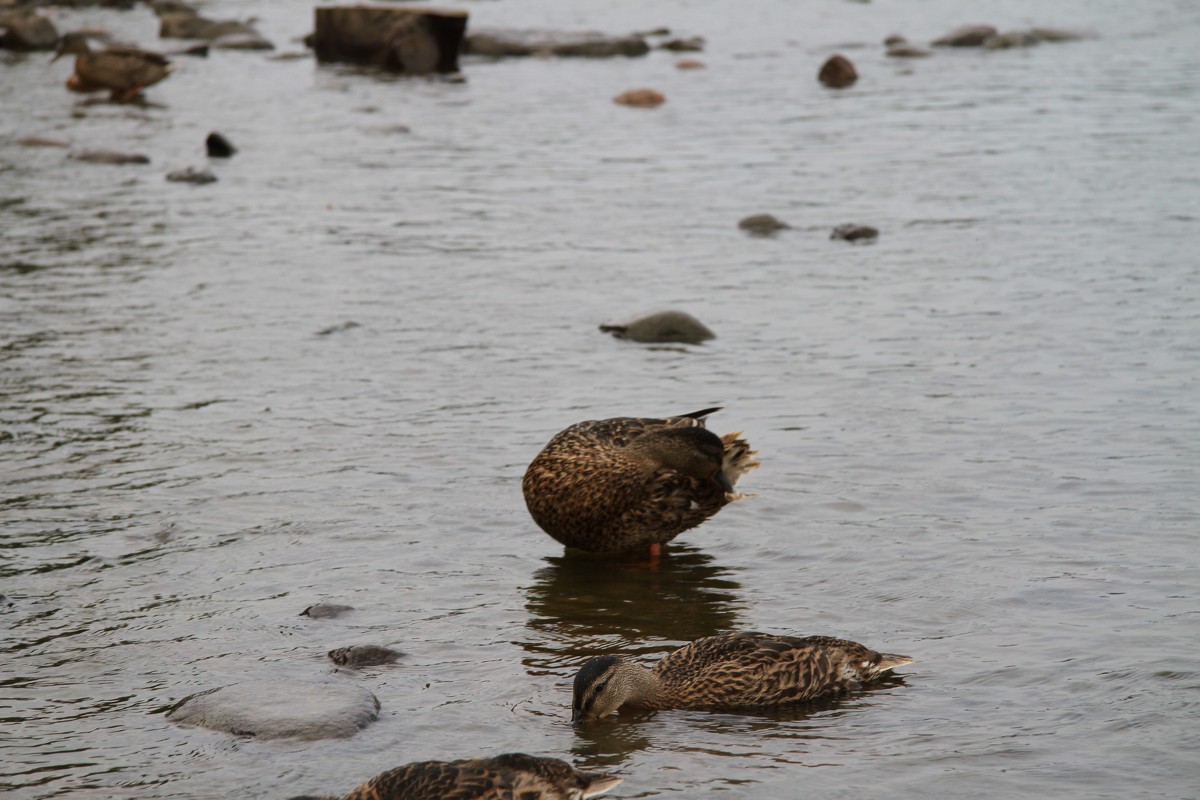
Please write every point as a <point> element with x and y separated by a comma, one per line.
<point>854,233</point>
<point>894,40</point>
<point>837,72</point>
<point>162,7</point>
<point>691,44</point>
<point>690,63</point>
<point>364,655</point>
<point>906,50</point>
<point>1011,39</point>
<point>966,36</point>
<point>195,51</point>
<point>190,175</point>
<point>218,146</point>
<point>1059,34</point>
<point>762,225</point>
<point>640,98</point>
<point>326,611</point>
<point>662,326</point>
<point>109,157</point>
<point>40,141</point>
<point>242,41</point>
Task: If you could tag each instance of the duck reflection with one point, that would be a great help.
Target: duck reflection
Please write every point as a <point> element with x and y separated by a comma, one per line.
<point>584,604</point>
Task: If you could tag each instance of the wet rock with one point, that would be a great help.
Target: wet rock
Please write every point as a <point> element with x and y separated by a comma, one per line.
<point>192,26</point>
<point>966,36</point>
<point>662,326</point>
<point>690,63</point>
<point>190,175</point>
<point>22,29</point>
<point>1011,39</point>
<point>400,39</point>
<point>309,710</point>
<point>656,32</point>
<point>1059,34</point>
<point>326,611</point>
<point>500,44</point>
<point>692,44</point>
<point>109,157</point>
<point>854,233</point>
<point>640,98</point>
<point>195,51</point>
<point>162,7</point>
<point>242,41</point>
<point>899,47</point>
<point>364,655</point>
<point>762,225</point>
<point>837,72</point>
<point>218,146</point>
<point>41,141</point>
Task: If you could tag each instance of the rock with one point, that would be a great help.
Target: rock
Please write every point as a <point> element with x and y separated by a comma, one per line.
<point>894,40</point>
<point>1059,35</point>
<point>640,98</point>
<point>966,36</point>
<point>656,32</point>
<point>242,41</point>
<point>23,30</point>
<point>364,655</point>
<point>899,47</point>
<point>195,51</point>
<point>690,63</point>
<point>190,175</point>
<point>326,611</point>
<point>762,225</point>
<point>690,45</point>
<point>837,72</point>
<point>662,326</point>
<point>500,44</point>
<point>162,7</point>
<point>309,710</point>
<point>400,39</point>
<point>191,26</point>
<point>40,141</point>
<point>854,233</point>
<point>218,146</point>
<point>109,157</point>
<point>1010,39</point>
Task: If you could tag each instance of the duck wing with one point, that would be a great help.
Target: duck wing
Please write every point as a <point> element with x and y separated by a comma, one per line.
<point>447,780</point>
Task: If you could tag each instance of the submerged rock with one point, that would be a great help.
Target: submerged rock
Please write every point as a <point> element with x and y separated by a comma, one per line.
<point>327,709</point>
<point>190,175</point>
<point>899,47</point>
<point>640,98</point>
<point>662,326</point>
<point>218,146</point>
<point>400,39</point>
<point>1010,39</point>
<point>22,29</point>
<point>508,43</point>
<point>161,7</point>
<point>364,655</point>
<point>762,225</point>
<point>243,41</point>
<point>109,157</point>
<point>1059,34</point>
<point>837,72</point>
<point>854,233</point>
<point>690,63</point>
<point>692,44</point>
<point>966,36</point>
<point>183,25</point>
<point>41,141</point>
<point>326,611</point>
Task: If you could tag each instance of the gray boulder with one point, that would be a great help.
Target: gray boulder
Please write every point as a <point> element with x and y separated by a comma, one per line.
<point>508,43</point>
<point>661,327</point>
<point>275,709</point>
<point>23,30</point>
<point>854,233</point>
<point>762,225</point>
<point>966,36</point>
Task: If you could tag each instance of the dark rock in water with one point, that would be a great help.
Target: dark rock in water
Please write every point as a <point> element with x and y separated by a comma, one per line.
<point>894,40</point>
<point>191,26</point>
<point>276,709</point>
<point>692,44</point>
<point>1011,39</point>
<point>39,141</point>
<point>189,175</point>
<point>401,39</point>
<point>690,63</point>
<point>498,44</point>
<point>854,233</point>
<point>837,72</point>
<point>640,98</point>
<point>762,225</point>
<point>966,36</point>
<point>663,326</point>
<point>656,32</point>
<point>326,611</point>
<point>109,157</point>
<point>1059,34</point>
<point>195,51</point>
<point>162,7</point>
<point>21,29</point>
<point>364,655</point>
<point>242,41</point>
<point>218,146</point>
<point>899,47</point>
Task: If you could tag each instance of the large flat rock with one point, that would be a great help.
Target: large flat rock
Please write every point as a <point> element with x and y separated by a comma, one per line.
<point>322,709</point>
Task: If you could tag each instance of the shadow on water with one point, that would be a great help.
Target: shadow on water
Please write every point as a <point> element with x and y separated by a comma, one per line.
<point>583,604</point>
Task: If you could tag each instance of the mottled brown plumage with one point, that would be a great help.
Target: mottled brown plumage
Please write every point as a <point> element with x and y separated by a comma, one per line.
<point>123,71</point>
<point>731,670</point>
<point>513,776</point>
<point>632,482</point>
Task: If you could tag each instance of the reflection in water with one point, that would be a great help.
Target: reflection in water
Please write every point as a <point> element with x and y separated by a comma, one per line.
<point>583,604</point>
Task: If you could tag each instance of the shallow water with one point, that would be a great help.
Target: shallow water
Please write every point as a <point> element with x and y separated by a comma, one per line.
<point>321,378</point>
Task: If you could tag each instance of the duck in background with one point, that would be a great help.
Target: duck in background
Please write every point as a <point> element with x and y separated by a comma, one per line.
<point>118,69</point>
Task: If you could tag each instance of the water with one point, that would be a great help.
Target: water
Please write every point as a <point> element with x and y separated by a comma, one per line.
<point>321,378</point>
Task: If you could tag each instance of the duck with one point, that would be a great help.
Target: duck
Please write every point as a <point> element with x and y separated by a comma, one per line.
<point>124,71</point>
<point>631,483</point>
<point>740,669</point>
<point>512,776</point>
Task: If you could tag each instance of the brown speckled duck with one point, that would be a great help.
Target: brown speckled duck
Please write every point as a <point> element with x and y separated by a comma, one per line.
<point>731,670</point>
<point>634,482</point>
<point>513,776</point>
<point>122,71</point>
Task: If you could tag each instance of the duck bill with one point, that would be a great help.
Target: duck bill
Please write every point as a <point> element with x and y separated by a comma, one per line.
<point>723,481</point>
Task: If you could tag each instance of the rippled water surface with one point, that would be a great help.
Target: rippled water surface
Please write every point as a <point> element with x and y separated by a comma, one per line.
<point>321,378</point>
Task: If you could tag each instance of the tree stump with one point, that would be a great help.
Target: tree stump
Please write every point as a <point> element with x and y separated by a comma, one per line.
<point>402,39</point>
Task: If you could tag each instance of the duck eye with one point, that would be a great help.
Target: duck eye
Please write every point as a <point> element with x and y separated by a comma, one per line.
<point>600,686</point>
